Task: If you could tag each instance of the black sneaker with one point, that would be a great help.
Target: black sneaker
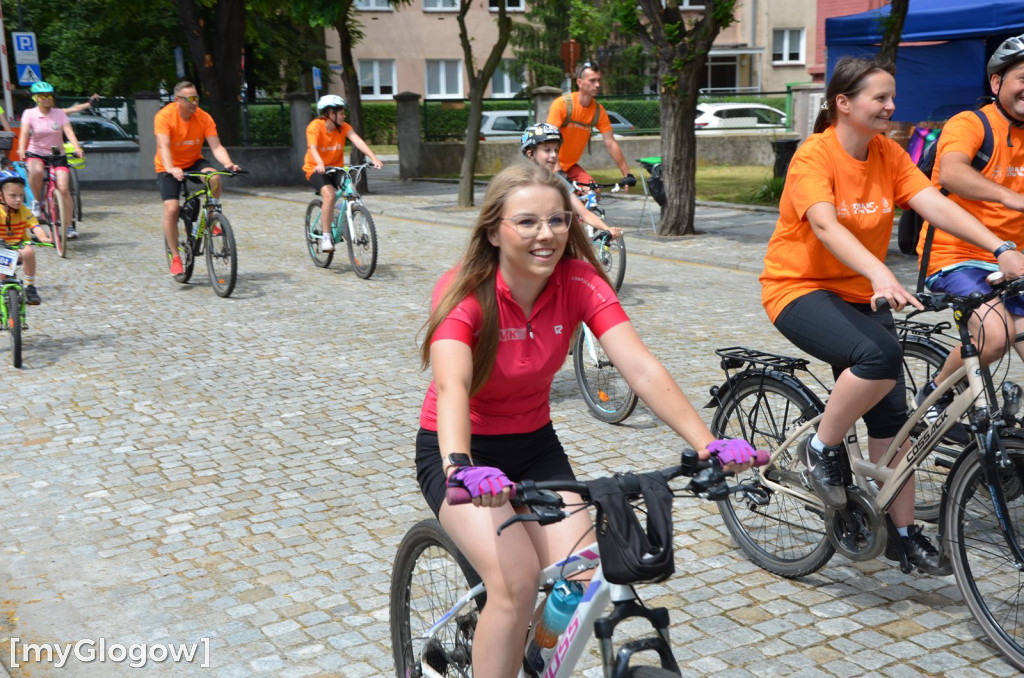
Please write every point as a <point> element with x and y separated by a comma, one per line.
<point>957,435</point>
<point>824,472</point>
<point>921,553</point>
<point>31,296</point>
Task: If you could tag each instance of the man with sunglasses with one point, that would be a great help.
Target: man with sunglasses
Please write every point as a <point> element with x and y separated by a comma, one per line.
<point>575,114</point>
<point>181,127</point>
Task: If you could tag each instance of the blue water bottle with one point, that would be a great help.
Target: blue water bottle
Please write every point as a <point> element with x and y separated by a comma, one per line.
<point>565,596</point>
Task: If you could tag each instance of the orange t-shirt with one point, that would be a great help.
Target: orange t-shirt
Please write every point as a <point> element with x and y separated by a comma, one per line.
<point>16,232</point>
<point>330,145</point>
<point>964,133</point>
<point>576,132</point>
<point>186,137</point>
<point>863,193</point>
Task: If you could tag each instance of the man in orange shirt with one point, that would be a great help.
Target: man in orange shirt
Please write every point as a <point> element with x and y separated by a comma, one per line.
<point>575,126</point>
<point>181,127</point>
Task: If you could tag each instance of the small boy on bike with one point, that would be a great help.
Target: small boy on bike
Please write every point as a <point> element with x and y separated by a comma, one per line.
<point>325,146</point>
<point>16,223</point>
<point>541,143</point>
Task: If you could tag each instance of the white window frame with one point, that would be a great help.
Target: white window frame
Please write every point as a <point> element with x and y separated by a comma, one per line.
<point>442,72</point>
<point>502,74</point>
<point>373,5</point>
<point>787,38</point>
<point>378,65</point>
<point>510,5</point>
<point>437,6</point>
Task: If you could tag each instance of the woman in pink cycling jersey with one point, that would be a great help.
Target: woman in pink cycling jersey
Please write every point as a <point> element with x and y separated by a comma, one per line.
<point>500,329</point>
<point>43,128</point>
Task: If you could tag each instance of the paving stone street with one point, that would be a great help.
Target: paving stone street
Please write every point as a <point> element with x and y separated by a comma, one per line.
<point>179,467</point>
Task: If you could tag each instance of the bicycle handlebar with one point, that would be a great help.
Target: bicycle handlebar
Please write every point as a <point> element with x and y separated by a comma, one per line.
<point>940,301</point>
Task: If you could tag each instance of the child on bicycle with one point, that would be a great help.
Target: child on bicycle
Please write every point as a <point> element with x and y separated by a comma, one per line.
<point>825,272</point>
<point>541,143</point>
<point>498,333</point>
<point>16,224</point>
<point>42,129</point>
<point>325,146</point>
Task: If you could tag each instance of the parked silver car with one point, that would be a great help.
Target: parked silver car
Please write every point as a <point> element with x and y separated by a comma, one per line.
<point>98,133</point>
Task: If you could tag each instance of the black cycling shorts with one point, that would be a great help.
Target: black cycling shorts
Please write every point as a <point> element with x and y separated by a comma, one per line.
<point>851,336</point>
<point>522,456</point>
<point>318,180</point>
<point>170,188</point>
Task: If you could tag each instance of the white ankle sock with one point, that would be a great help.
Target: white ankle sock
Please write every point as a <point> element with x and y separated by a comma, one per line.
<point>903,531</point>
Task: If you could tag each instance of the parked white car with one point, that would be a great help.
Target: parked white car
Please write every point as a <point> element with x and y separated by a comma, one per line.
<point>511,123</point>
<point>738,116</point>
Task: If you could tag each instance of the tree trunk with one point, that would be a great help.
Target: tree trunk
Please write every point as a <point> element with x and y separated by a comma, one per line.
<point>468,171</point>
<point>678,160</point>
<point>353,97</point>
<point>893,30</point>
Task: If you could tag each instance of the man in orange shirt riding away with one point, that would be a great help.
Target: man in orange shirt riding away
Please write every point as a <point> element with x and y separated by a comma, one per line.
<point>575,114</point>
<point>180,128</point>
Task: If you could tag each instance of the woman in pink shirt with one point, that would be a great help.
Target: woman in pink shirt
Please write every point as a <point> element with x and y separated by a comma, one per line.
<point>43,128</point>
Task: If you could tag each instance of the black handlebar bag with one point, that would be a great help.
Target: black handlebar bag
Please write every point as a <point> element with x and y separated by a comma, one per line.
<point>632,553</point>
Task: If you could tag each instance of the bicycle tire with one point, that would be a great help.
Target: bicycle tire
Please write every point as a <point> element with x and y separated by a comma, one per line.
<point>221,254</point>
<point>12,300</point>
<point>788,535</point>
<point>362,242</point>
<point>188,260</point>
<point>922,359</point>
<point>650,672</point>
<point>982,563</point>
<point>613,260</point>
<point>428,576</point>
<point>605,391</point>
<point>76,195</point>
<point>54,215</point>
<point>312,227</point>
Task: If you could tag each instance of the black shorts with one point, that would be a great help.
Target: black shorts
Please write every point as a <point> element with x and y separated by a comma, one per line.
<point>522,456</point>
<point>318,181</point>
<point>170,188</point>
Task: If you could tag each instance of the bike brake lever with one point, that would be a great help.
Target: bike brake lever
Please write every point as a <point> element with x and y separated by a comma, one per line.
<point>542,515</point>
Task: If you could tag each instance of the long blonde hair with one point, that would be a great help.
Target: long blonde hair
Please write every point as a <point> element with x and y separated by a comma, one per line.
<point>477,270</point>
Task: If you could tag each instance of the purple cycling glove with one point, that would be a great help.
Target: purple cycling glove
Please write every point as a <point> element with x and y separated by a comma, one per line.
<point>479,480</point>
<point>732,451</point>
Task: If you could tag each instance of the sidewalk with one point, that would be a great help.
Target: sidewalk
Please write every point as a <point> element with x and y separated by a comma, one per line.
<point>728,235</point>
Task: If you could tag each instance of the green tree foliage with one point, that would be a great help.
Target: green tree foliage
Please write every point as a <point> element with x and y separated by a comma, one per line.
<point>537,42</point>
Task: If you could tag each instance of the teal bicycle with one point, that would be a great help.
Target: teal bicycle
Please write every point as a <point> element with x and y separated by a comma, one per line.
<point>352,223</point>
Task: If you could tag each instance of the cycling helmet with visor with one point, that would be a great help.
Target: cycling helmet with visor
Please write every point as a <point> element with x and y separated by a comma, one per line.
<point>41,87</point>
<point>537,134</point>
<point>329,101</point>
<point>1006,55</point>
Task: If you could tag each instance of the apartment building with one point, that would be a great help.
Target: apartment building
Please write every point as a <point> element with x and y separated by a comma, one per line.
<point>416,47</point>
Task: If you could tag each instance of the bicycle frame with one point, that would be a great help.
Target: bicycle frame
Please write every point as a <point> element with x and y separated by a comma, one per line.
<point>346,195</point>
<point>596,599</point>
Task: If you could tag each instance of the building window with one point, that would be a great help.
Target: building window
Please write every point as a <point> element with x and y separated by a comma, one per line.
<point>788,46</point>
<point>377,79</point>
<point>507,81</point>
<point>373,5</point>
<point>510,5</point>
<point>444,78</point>
<point>440,5</point>
<point>688,4</point>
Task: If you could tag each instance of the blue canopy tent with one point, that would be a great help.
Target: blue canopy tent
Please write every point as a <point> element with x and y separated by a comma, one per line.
<point>936,80</point>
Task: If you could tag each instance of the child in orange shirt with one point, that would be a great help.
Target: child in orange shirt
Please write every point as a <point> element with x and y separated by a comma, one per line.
<point>16,222</point>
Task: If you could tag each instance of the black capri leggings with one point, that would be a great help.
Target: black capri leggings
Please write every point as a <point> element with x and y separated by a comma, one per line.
<point>851,336</point>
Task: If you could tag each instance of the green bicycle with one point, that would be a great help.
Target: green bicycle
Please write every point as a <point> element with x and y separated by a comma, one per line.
<point>352,223</point>
<point>207,229</point>
<point>12,302</point>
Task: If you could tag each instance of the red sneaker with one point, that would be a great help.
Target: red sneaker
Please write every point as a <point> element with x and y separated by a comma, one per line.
<point>176,267</point>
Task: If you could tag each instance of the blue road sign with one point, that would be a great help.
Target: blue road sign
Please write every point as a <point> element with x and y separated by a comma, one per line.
<point>29,74</point>
<point>317,82</point>
<point>25,47</point>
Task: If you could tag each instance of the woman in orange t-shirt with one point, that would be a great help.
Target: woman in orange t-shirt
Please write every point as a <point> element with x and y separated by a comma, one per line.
<point>825,269</point>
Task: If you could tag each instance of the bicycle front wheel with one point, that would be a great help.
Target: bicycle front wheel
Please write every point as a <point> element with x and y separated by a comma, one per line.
<point>922,360</point>
<point>313,228</point>
<point>786,535</point>
<point>429,575</point>
<point>361,239</point>
<point>221,254</point>
<point>12,300</point>
<point>984,567</point>
<point>58,230</point>
<point>605,391</point>
<point>613,260</point>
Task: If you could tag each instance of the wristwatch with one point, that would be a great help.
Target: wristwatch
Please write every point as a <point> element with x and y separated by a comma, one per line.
<point>1006,246</point>
<point>457,459</point>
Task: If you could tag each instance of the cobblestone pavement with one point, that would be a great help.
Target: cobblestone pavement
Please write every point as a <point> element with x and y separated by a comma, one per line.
<point>179,466</point>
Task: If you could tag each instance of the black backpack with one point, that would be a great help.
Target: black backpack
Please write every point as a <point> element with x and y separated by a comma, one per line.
<point>656,185</point>
<point>909,228</point>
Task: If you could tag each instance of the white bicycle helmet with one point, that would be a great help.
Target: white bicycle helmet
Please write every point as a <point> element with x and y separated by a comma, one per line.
<point>329,101</point>
<point>1007,54</point>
